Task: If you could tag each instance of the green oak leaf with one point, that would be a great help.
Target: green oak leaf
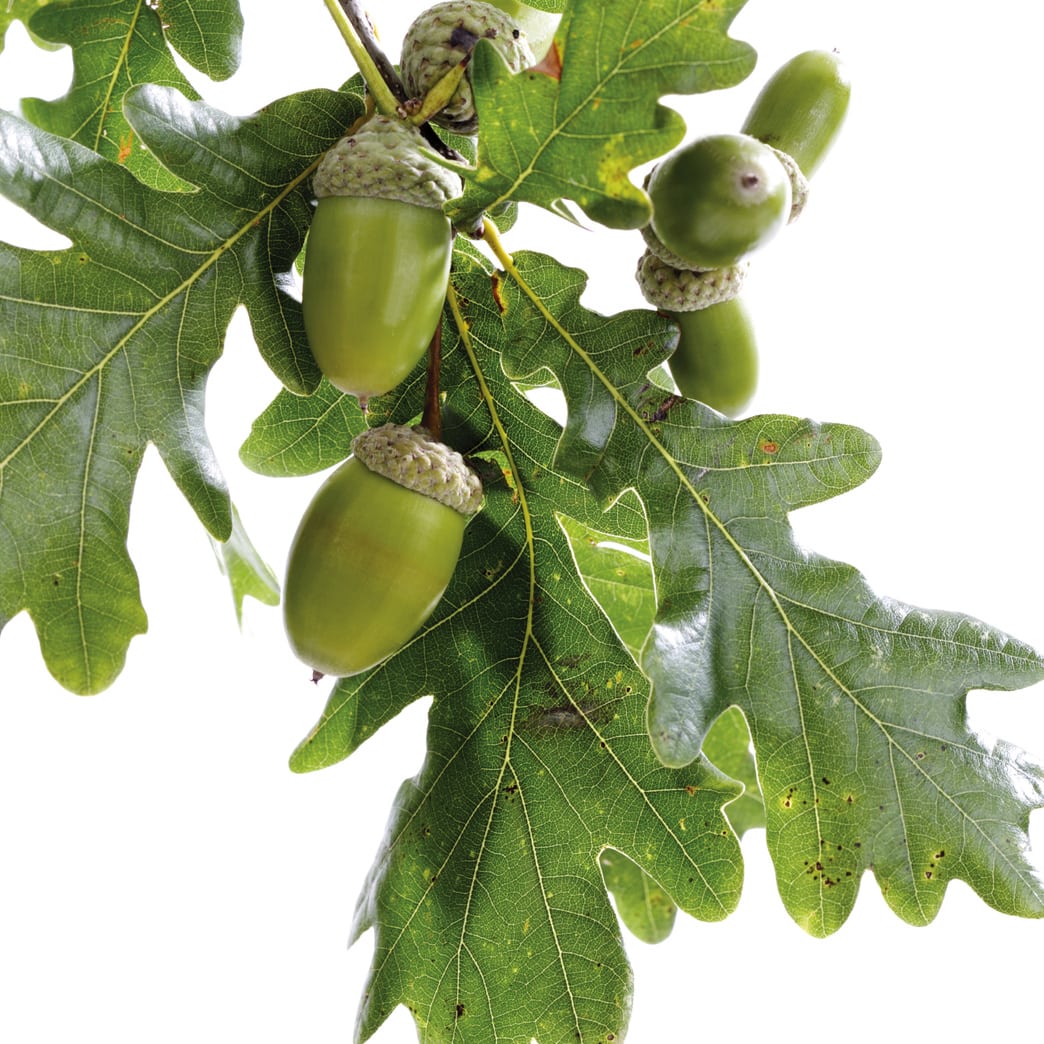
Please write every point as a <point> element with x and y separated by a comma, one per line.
<point>574,130</point>
<point>487,900</point>
<point>248,574</point>
<point>118,44</point>
<point>208,34</point>
<point>106,346</point>
<point>619,575</point>
<point>643,906</point>
<point>20,11</point>
<point>728,747</point>
<point>856,702</point>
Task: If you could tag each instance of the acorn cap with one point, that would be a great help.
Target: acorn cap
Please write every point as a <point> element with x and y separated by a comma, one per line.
<point>664,253</point>
<point>444,36</point>
<point>384,159</point>
<point>798,183</point>
<point>681,289</point>
<point>412,458</point>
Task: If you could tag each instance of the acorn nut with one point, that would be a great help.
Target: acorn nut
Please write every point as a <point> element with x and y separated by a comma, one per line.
<point>376,548</point>
<point>378,257</point>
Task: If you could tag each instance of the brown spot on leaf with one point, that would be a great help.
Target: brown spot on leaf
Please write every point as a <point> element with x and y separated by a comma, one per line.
<point>664,408</point>
<point>126,148</point>
<point>550,64</point>
<point>495,281</point>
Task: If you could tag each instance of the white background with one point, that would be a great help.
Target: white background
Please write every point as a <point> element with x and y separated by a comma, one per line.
<point>164,877</point>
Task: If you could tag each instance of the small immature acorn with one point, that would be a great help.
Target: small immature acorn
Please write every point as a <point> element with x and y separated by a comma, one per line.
<point>716,360</point>
<point>801,108</point>
<point>376,549</point>
<point>378,257</point>
<point>442,38</point>
<point>719,198</point>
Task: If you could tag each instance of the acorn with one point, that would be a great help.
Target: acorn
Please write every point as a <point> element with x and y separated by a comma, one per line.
<point>376,549</point>
<point>378,257</point>
<point>716,358</point>
<point>442,38</point>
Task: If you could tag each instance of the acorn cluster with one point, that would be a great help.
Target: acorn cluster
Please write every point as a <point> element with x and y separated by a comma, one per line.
<point>379,543</point>
<point>718,199</point>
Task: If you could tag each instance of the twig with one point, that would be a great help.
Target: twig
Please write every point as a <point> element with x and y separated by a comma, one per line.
<point>346,13</point>
<point>380,75</point>
<point>432,416</point>
<point>360,22</point>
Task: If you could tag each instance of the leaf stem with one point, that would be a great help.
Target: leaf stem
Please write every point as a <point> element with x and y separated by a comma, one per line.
<point>377,71</point>
<point>491,236</point>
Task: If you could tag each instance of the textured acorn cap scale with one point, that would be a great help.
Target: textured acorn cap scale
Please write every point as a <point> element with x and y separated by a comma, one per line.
<point>443,37</point>
<point>685,290</point>
<point>385,159</point>
<point>411,458</point>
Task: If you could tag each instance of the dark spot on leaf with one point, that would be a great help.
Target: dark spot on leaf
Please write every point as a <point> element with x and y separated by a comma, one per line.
<point>690,790</point>
<point>769,447</point>
<point>920,755</point>
<point>665,407</point>
<point>826,781</point>
<point>459,1010</point>
<point>494,280</point>
<point>928,875</point>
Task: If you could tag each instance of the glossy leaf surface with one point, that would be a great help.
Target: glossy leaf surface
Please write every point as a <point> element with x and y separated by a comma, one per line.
<point>106,345</point>
<point>714,497</point>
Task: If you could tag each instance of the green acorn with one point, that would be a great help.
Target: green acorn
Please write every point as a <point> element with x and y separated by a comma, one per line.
<point>716,360</point>
<point>376,549</point>
<point>801,108</point>
<point>719,198</point>
<point>378,257</point>
<point>442,38</point>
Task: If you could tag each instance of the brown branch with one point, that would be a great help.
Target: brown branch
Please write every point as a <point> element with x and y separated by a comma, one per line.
<point>432,416</point>
<point>364,29</point>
